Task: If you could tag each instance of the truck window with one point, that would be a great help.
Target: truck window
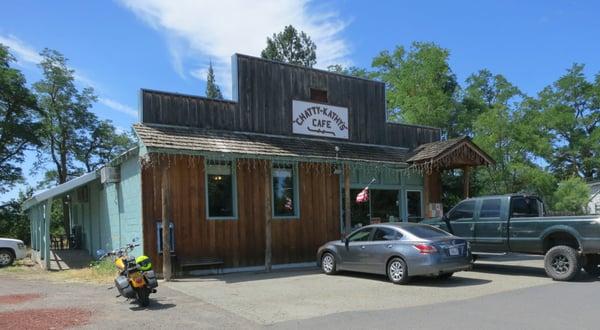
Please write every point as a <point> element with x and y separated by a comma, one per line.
<point>463,210</point>
<point>490,208</point>
<point>521,207</point>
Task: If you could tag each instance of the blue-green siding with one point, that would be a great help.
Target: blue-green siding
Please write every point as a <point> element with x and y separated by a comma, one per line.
<point>112,215</point>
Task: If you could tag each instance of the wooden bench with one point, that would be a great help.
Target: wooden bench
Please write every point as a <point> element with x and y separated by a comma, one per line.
<point>199,262</point>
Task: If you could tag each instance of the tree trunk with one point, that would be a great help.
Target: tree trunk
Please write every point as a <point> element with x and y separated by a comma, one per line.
<point>165,192</point>
<point>268,217</point>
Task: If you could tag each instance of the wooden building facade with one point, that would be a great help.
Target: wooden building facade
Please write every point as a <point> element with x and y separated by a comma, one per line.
<point>265,178</point>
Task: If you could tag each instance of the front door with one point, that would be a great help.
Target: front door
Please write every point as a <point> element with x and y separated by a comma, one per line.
<point>491,231</point>
<point>461,220</point>
<point>354,253</point>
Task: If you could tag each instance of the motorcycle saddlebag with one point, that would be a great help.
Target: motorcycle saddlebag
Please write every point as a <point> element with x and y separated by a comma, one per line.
<point>151,279</point>
<point>125,289</point>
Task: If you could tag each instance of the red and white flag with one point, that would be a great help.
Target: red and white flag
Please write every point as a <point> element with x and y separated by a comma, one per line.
<point>363,196</point>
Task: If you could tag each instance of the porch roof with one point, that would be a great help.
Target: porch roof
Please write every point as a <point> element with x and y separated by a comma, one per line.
<point>163,138</point>
<point>60,189</point>
<point>449,154</point>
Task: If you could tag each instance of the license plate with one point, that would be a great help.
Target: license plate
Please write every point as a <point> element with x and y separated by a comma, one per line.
<point>453,251</point>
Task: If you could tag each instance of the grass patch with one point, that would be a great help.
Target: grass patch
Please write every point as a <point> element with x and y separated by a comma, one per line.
<point>103,272</point>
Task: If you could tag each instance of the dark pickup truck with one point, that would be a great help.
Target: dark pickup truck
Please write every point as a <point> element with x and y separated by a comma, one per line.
<point>517,223</point>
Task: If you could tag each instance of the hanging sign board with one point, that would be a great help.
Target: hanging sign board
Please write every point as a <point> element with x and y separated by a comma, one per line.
<point>319,119</point>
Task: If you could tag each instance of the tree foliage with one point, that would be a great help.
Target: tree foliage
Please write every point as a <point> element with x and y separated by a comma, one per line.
<point>19,121</point>
<point>14,223</point>
<point>291,46</point>
<point>212,89</point>
<point>570,115</point>
<point>572,195</point>
<point>421,87</point>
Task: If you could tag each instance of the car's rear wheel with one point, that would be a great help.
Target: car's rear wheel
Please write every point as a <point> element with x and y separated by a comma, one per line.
<point>397,271</point>
<point>328,263</point>
<point>562,263</point>
<point>6,258</point>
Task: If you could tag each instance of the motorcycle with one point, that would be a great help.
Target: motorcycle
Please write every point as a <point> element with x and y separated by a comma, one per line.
<point>136,278</point>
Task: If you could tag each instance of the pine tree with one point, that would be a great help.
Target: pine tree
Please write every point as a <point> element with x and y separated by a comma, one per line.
<point>212,89</point>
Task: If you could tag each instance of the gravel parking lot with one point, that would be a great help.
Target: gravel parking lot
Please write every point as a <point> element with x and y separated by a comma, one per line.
<point>498,293</point>
<point>301,294</point>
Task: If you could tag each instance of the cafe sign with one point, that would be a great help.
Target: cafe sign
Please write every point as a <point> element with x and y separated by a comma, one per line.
<point>319,119</point>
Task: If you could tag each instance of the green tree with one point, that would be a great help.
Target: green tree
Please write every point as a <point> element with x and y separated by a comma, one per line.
<point>291,46</point>
<point>19,121</point>
<point>572,196</point>
<point>507,129</point>
<point>421,87</point>
<point>14,223</point>
<point>102,144</point>
<point>351,71</point>
<point>212,89</point>
<point>570,112</point>
<point>66,120</point>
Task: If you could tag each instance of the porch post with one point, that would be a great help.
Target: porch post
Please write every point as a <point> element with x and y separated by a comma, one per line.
<point>466,181</point>
<point>268,213</point>
<point>165,192</point>
<point>347,216</point>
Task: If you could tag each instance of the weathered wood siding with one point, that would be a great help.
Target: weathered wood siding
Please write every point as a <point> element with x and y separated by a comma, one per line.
<point>264,91</point>
<point>239,242</point>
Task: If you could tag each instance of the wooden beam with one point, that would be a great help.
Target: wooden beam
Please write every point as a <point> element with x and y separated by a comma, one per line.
<point>466,181</point>
<point>268,217</point>
<point>165,191</point>
<point>347,216</point>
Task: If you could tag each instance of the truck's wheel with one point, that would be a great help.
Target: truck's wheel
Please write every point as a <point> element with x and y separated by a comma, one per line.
<point>562,263</point>
<point>591,265</point>
<point>6,258</point>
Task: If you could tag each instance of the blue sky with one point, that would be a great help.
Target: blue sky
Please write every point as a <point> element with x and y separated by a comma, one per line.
<point>122,46</point>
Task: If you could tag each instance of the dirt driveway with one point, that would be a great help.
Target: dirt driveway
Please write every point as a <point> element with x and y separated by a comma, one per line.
<point>28,302</point>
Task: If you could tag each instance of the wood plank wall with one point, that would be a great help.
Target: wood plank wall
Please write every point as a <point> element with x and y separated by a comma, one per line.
<point>239,242</point>
<point>265,90</point>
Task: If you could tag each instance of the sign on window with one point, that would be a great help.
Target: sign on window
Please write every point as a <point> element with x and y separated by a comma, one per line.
<point>319,119</point>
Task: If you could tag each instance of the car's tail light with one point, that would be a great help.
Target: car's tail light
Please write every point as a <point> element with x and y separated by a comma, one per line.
<point>425,248</point>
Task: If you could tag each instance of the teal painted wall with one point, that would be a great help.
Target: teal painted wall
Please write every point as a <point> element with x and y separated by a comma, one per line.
<point>112,216</point>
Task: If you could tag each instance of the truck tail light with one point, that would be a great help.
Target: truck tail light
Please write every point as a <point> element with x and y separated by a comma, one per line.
<point>425,248</point>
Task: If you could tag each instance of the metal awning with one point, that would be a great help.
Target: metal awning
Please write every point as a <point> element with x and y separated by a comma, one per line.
<point>60,189</point>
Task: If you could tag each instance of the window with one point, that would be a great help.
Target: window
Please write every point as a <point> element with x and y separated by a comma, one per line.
<point>360,236</point>
<point>413,206</point>
<point>318,95</point>
<point>386,234</point>
<point>384,205</point>
<point>490,208</point>
<point>159,242</point>
<point>425,231</point>
<point>463,210</point>
<point>284,191</point>
<point>220,190</point>
<point>524,207</point>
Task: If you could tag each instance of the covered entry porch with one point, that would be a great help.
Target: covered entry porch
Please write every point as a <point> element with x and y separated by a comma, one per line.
<point>432,159</point>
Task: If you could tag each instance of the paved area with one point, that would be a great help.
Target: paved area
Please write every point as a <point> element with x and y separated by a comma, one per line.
<point>302,294</point>
<point>510,292</point>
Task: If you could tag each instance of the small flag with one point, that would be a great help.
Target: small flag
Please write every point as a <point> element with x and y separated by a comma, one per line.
<point>363,196</point>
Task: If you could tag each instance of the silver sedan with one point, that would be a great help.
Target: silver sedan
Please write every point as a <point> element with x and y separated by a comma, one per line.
<point>398,250</point>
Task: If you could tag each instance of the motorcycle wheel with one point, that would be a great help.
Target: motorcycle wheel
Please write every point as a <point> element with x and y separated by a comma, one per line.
<point>143,297</point>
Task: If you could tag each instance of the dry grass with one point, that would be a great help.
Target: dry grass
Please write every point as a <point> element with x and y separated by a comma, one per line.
<point>103,272</point>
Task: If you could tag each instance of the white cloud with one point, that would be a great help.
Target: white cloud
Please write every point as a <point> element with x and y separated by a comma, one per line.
<point>117,106</point>
<point>22,51</point>
<point>198,31</point>
<point>26,54</point>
